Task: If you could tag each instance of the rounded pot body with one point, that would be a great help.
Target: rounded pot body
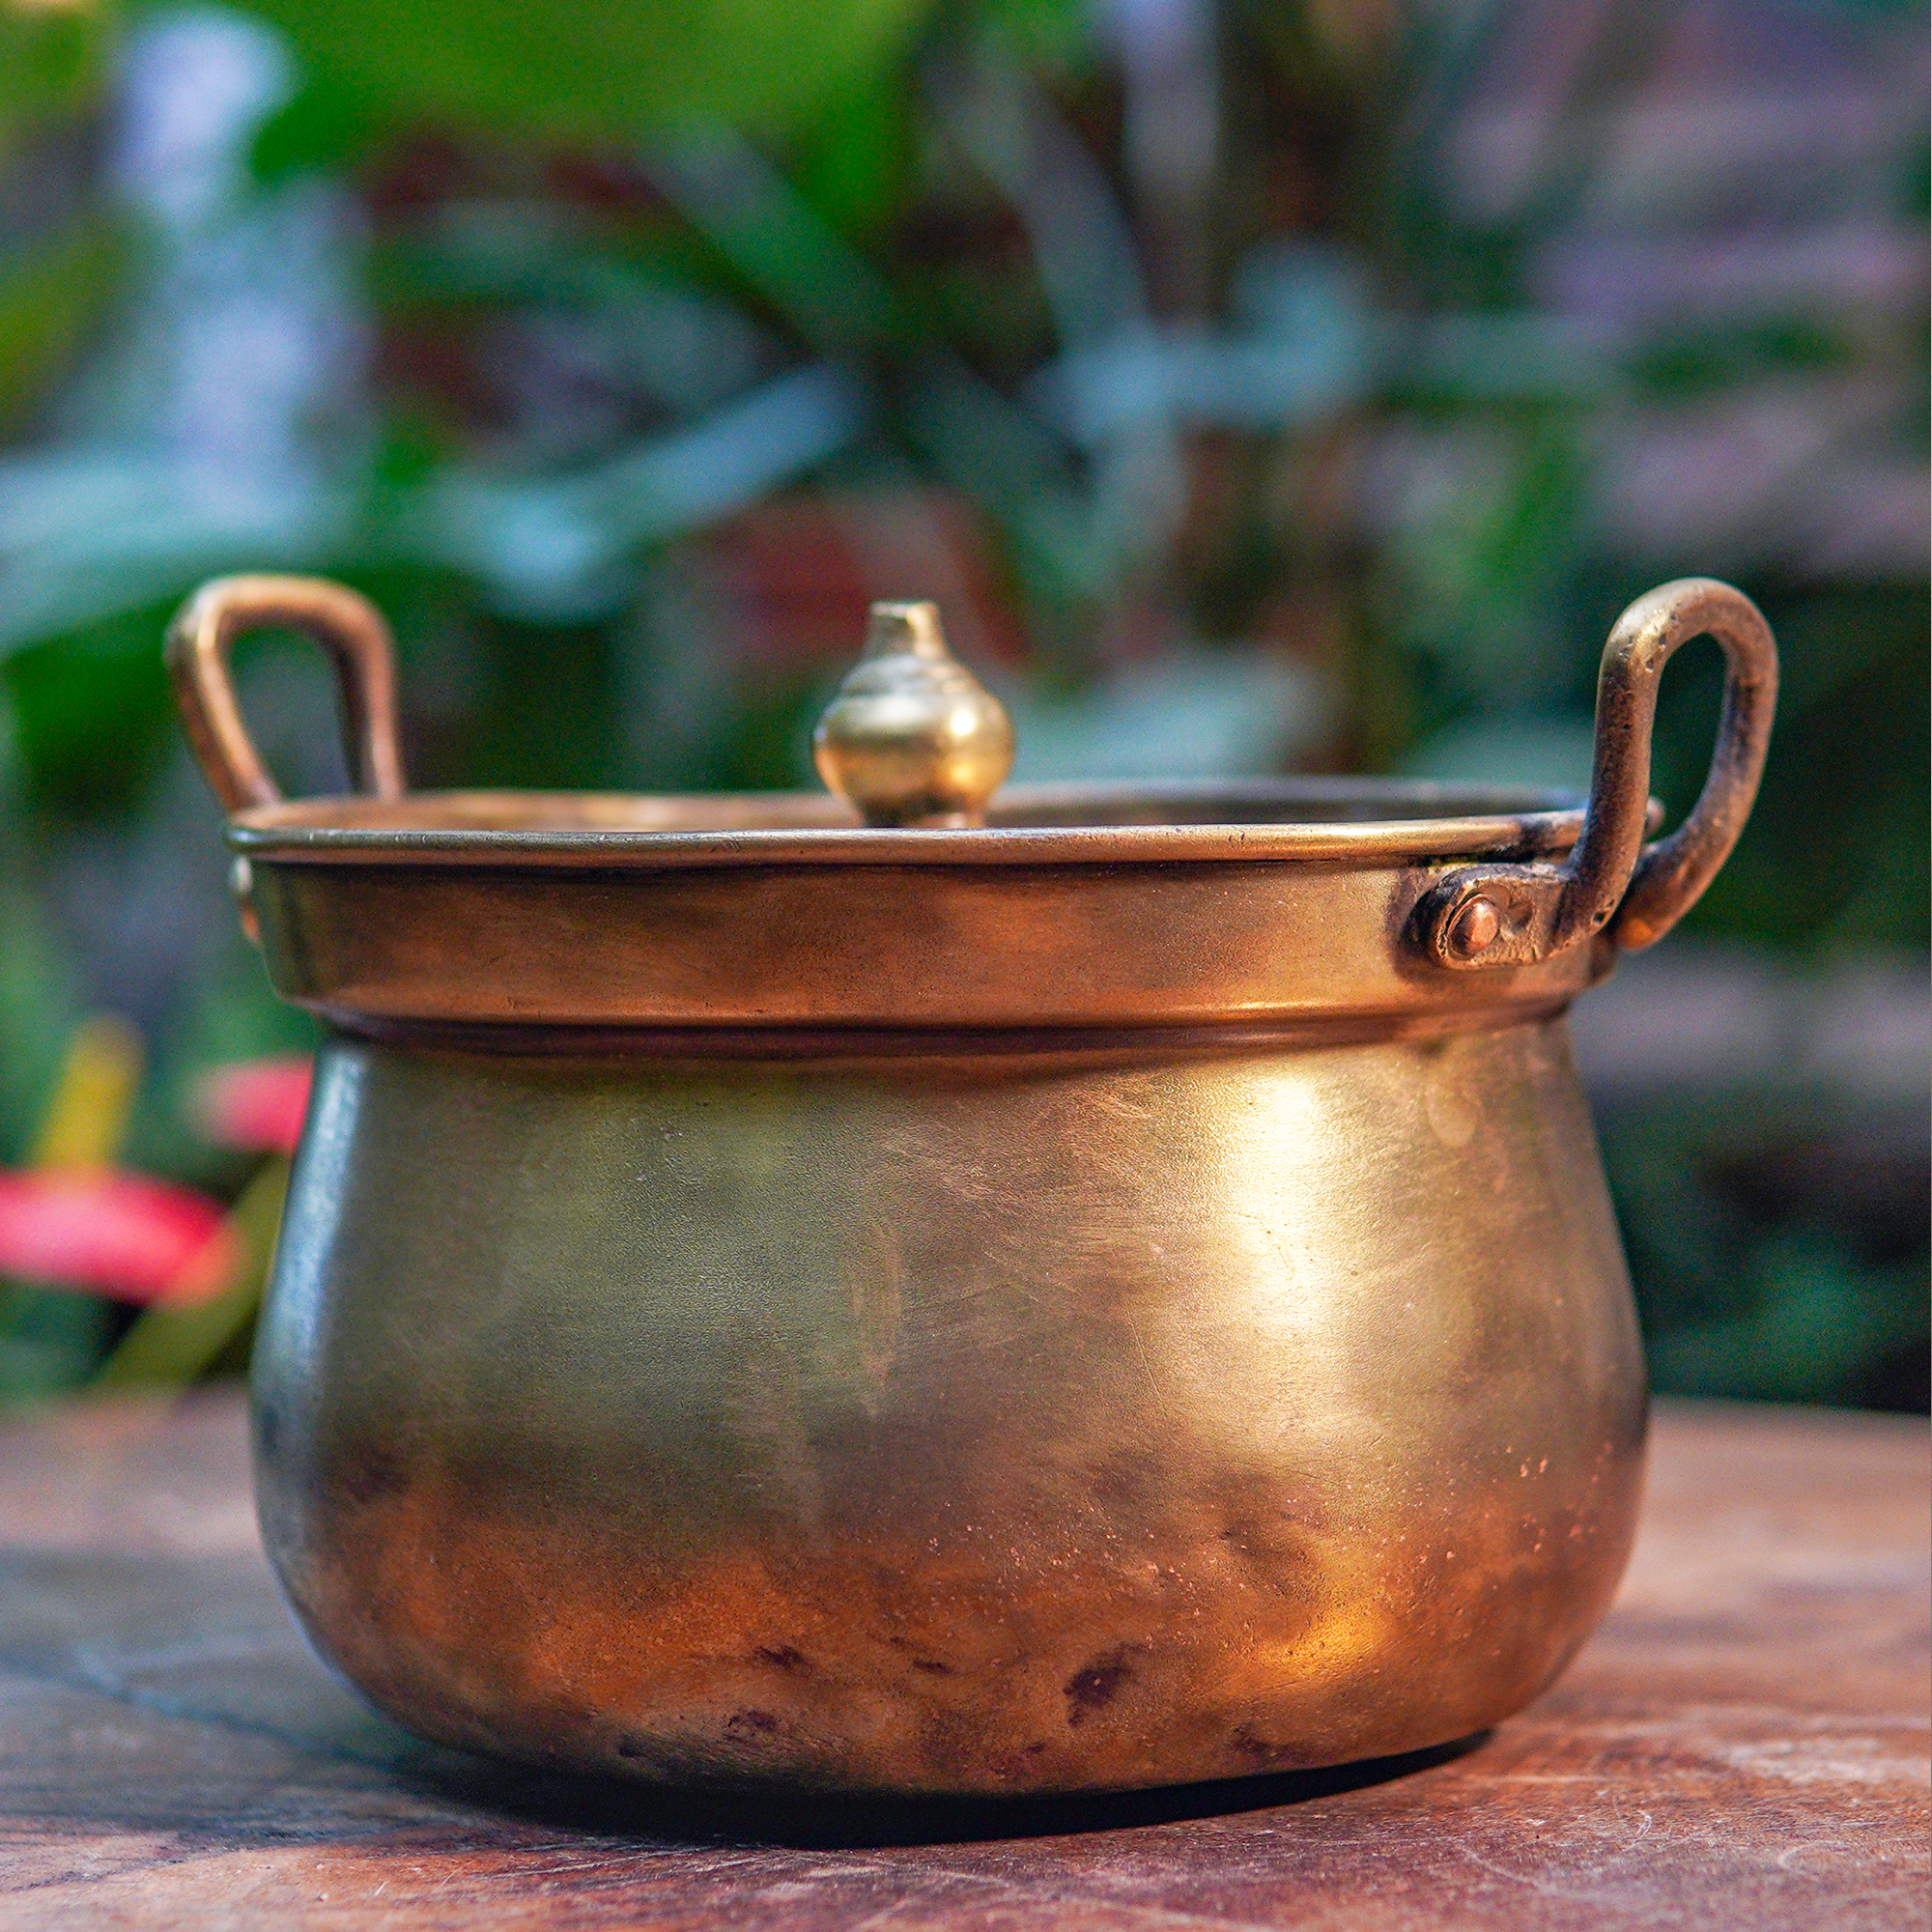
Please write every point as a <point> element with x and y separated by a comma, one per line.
<point>952,1422</point>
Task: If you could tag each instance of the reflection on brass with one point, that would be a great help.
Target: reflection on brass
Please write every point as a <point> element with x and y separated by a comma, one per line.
<point>1092,1299</point>
<point>950,1425</point>
<point>912,737</point>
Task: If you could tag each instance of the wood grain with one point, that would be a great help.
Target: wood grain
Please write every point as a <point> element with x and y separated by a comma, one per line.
<point>1744,1745</point>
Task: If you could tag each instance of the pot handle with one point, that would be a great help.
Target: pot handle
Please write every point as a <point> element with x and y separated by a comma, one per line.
<point>348,627</point>
<point>1484,916</point>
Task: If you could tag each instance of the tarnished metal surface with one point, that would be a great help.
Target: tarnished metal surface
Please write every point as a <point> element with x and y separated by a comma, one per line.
<point>1283,901</point>
<point>802,946</point>
<point>951,1427</point>
<point>1095,1300</point>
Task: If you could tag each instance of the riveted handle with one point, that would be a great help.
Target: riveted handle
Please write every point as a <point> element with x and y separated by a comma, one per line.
<point>1487,916</point>
<point>348,627</point>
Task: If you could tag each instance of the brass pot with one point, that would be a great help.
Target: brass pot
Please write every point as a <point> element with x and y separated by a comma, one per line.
<point>1109,1289</point>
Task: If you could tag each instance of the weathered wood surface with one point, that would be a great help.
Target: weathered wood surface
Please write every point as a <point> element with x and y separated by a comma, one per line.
<point>1743,1746</point>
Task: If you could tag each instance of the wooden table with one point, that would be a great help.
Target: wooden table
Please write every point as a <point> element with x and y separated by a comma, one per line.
<point>1744,1744</point>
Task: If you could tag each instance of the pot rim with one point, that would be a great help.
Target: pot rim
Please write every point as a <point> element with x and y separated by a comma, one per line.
<point>1371,822</point>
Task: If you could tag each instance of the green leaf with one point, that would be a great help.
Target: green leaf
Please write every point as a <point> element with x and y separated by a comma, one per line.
<point>58,254</point>
<point>91,715</point>
<point>51,63</point>
<point>853,164</point>
<point>603,69</point>
<point>50,290</point>
<point>326,125</point>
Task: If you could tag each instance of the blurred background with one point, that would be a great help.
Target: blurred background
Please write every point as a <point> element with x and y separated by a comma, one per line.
<point>1258,385</point>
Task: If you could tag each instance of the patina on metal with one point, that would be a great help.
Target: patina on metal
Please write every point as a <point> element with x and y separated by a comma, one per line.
<point>1117,1294</point>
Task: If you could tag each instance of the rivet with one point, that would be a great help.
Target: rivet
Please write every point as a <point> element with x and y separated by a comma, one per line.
<point>1474,928</point>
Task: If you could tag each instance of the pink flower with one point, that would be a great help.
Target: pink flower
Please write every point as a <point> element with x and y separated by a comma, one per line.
<point>256,1104</point>
<point>115,1233</point>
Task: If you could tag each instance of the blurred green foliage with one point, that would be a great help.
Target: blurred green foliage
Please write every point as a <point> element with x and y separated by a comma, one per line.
<point>1779,1246</point>
<point>1836,853</point>
<point>611,70</point>
<point>92,716</point>
<point>58,255</point>
<point>51,63</point>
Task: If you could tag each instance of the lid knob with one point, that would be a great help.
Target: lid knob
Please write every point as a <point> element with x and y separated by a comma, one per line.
<point>913,738</point>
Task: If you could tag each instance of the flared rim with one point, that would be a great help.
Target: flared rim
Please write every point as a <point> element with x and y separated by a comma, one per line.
<point>1324,821</point>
